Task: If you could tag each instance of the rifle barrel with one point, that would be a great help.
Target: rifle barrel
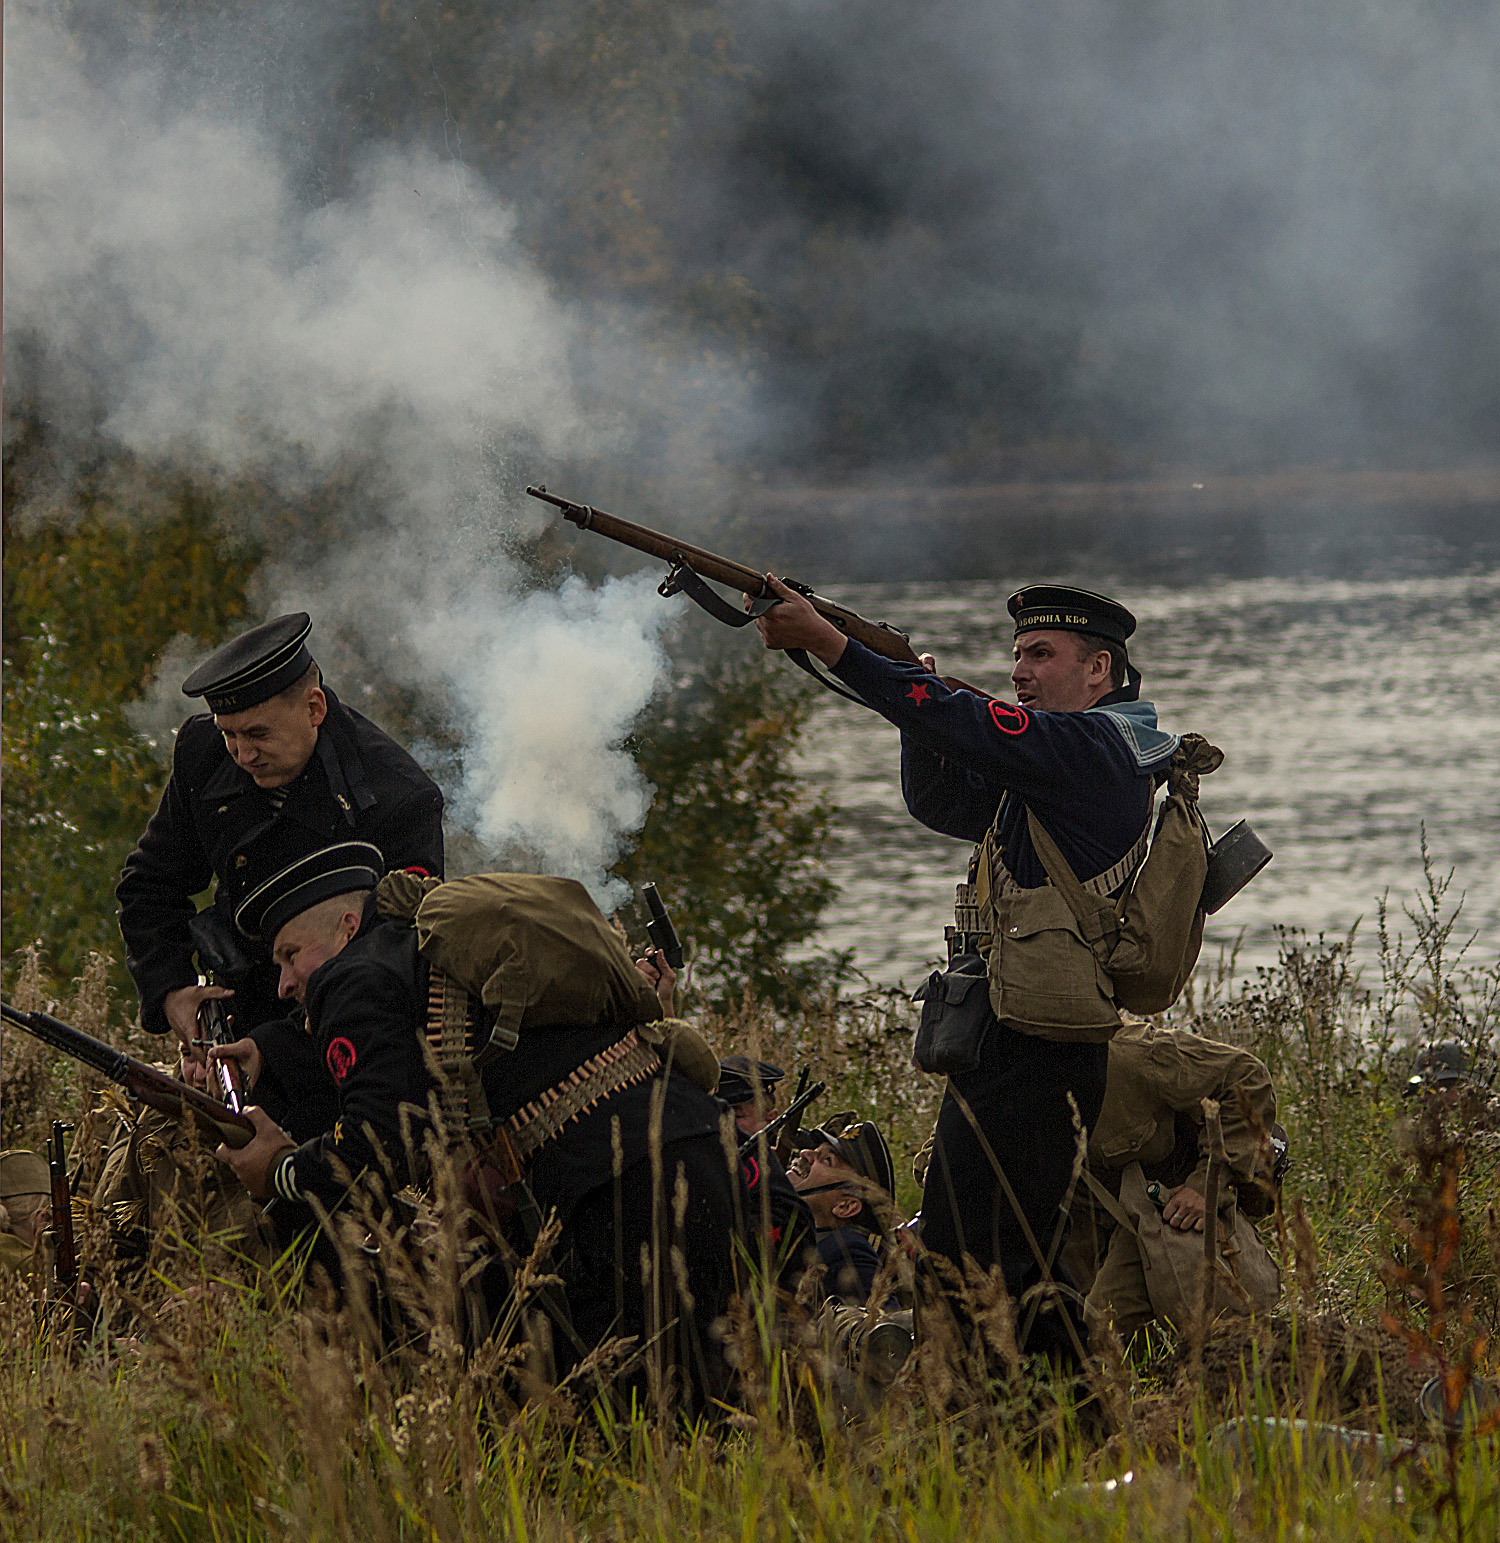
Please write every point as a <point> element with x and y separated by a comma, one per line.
<point>660,930</point>
<point>141,1081</point>
<point>213,1023</point>
<point>66,1258</point>
<point>792,1110</point>
<point>879,637</point>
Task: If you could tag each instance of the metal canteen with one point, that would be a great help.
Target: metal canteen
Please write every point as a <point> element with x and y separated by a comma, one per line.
<point>1233,860</point>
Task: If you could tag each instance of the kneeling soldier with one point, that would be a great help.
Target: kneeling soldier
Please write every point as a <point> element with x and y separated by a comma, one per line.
<point>1135,1247</point>
<point>277,767</point>
<point>25,1205</point>
<point>625,1153</point>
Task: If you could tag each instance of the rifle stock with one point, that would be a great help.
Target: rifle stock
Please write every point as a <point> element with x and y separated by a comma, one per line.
<point>144,1083</point>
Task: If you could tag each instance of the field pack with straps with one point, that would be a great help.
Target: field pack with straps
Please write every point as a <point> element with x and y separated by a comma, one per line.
<point>1147,942</point>
<point>1062,959</point>
<point>514,952</point>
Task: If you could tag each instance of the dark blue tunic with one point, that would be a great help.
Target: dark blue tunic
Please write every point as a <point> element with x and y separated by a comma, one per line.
<point>852,1264</point>
<point>1089,782</point>
<point>1089,777</point>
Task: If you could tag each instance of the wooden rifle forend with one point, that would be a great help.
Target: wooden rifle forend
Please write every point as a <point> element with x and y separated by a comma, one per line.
<point>144,1083</point>
<point>878,637</point>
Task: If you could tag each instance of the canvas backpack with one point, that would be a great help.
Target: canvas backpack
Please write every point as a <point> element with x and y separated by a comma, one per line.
<point>1146,943</point>
<point>517,951</point>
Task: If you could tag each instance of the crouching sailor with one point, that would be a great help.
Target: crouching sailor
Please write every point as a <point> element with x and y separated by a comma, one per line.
<point>517,990</point>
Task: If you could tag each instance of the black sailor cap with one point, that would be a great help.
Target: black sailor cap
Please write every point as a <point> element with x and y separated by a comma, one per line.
<point>332,870</point>
<point>1061,608</point>
<point>738,1076</point>
<point>253,667</point>
<point>863,1146</point>
<point>1436,1065</point>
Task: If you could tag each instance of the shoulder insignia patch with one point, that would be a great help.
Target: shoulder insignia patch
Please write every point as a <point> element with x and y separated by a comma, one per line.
<point>340,1058</point>
<point>1009,718</point>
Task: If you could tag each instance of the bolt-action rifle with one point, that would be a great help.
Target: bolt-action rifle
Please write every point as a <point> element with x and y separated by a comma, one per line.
<point>64,1252</point>
<point>142,1082</point>
<point>691,570</point>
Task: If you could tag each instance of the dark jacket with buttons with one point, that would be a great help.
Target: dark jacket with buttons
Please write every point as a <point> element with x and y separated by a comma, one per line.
<point>213,823</point>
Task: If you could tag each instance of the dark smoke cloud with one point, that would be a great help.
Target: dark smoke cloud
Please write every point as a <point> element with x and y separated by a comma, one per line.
<point>1248,231</point>
<point>1227,232</point>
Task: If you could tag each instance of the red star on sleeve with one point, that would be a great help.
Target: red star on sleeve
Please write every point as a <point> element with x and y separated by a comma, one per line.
<point>918,693</point>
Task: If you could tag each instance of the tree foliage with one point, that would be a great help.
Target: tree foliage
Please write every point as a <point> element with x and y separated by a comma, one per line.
<point>734,838</point>
<point>91,599</point>
<point>132,558</point>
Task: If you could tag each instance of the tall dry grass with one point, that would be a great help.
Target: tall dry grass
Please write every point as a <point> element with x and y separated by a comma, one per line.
<point>219,1398</point>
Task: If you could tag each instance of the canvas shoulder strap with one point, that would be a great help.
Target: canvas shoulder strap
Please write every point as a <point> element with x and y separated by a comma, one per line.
<point>1110,1204</point>
<point>1097,917</point>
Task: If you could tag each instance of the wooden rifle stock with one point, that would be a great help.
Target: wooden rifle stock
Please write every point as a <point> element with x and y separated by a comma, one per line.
<point>144,1083</point>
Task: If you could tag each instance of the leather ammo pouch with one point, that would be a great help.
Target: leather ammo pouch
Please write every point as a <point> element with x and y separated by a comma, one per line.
<point>955,1015</point>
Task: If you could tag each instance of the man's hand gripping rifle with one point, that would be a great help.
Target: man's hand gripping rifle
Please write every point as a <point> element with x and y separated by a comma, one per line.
<point>785,1122</point>
<point>691,570</point>
<point>142,1082</point>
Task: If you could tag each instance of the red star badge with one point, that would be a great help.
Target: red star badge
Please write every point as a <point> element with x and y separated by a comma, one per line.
<point>918,693</point>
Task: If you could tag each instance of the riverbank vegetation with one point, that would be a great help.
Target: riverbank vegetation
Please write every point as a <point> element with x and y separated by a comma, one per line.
<point>216,1402</point>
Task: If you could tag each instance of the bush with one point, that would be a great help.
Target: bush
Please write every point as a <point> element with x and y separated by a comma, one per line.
<point>91,601</point>
<point>733,838</point>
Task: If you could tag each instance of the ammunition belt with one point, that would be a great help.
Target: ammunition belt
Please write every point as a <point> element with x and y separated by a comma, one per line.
<point>618,1066</point>
<point>451,1019</point>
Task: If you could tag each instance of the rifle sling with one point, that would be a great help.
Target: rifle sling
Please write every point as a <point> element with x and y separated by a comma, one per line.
<point>1110,1204</point>
<point>799,657</point>
<point>685,580</point>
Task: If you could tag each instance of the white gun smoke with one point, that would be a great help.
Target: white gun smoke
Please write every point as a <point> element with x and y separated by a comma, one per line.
<point>166,291</point>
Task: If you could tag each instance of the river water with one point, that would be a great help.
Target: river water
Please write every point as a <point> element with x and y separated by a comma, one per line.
<point>1350,713</point>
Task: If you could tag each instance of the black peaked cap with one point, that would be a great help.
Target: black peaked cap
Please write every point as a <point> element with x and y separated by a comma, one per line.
<point>253,667</point>
<point>865,1149</point>
<point>332,870</point>
<point>738,1075</point>
<point>1061,608</point>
